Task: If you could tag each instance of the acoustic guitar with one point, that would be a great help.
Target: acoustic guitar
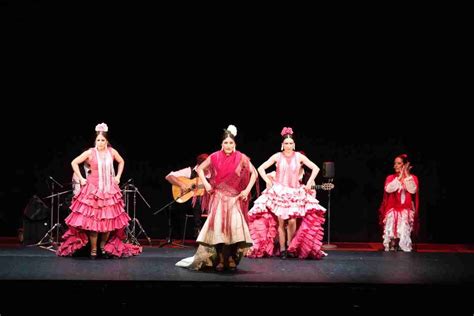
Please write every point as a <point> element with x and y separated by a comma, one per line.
<point>196,188</point>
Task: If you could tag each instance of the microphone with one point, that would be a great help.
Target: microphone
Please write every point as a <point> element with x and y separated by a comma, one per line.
<point>52,179</point>
<point>126,182</point>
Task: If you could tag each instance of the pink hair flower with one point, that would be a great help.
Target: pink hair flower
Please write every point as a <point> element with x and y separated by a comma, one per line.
<point>286,131</point>
<point>102,127</point>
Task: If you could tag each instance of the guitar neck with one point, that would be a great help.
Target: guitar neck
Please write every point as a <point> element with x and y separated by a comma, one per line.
<point>326,187</point>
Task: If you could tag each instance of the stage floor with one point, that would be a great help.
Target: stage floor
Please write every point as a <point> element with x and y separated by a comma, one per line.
<point>359,279</point>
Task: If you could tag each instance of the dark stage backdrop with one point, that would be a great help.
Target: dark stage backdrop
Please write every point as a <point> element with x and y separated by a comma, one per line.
<point>374,89</point>
<point>362,146</point>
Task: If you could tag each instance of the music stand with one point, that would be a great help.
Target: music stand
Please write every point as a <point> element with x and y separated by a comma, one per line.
<point>328,174</point>
<point>131,232</point>
<point>48,238</point>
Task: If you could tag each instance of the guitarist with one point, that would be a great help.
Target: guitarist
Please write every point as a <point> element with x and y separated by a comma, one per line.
<point>195,202</point>
<point>76,182</point>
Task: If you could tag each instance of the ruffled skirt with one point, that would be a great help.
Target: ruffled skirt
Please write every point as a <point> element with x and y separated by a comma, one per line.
<point>285,203</point>
<point>97,211</point>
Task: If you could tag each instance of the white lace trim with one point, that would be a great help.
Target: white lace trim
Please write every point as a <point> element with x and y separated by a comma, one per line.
<point>106,170</point>
<point>404,228</point>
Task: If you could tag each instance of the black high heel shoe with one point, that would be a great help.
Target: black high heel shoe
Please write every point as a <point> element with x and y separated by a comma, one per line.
<point>93,254</point>
<point>103,253</point>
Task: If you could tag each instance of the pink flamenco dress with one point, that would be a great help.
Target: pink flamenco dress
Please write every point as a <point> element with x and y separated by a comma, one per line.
<point>98,207</point>
<point>287,199</point>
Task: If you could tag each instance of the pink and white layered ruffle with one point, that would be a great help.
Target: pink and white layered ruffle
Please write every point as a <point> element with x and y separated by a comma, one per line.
<point>98,211</point>
<point>94,210</point>
<point>285,202</point>
<point>307,241</point>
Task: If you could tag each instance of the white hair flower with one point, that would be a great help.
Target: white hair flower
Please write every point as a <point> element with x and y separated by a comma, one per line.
<point>232,129</point>
<point>102,127</point>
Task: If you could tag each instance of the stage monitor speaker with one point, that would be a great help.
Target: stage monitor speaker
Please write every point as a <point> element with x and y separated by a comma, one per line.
<point>328,169</point>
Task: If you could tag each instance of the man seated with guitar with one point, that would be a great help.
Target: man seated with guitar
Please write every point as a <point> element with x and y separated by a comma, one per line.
<point>76,183</point>
<point>187,186</point>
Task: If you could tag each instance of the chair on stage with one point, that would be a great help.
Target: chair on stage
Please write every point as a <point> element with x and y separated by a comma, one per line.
<point>186,217</point>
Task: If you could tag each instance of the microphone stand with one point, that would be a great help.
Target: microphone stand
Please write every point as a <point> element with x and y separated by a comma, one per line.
<point>169,240</point>
<point>54,181</point>
<point>53,244</point>
<point>329,245</point>
<point>131,233</point>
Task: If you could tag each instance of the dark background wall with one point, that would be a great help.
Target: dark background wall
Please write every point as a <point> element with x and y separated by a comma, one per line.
<point>357,93</point>
<point>153,144</point>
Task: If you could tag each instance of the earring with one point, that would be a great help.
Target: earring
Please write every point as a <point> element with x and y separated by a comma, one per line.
<point>294,146</point>
<point>281,147</point>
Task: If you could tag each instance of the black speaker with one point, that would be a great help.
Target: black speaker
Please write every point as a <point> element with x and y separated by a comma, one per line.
<point>36,209</point>
<point>328,169</point>
<point>34,231</point>
<point>36,217</point>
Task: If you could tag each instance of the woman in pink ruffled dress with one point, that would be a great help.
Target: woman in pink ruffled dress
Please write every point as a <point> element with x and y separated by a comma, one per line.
<point>225,236</point>
<point>287,209</point>
<point>97,209</point>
